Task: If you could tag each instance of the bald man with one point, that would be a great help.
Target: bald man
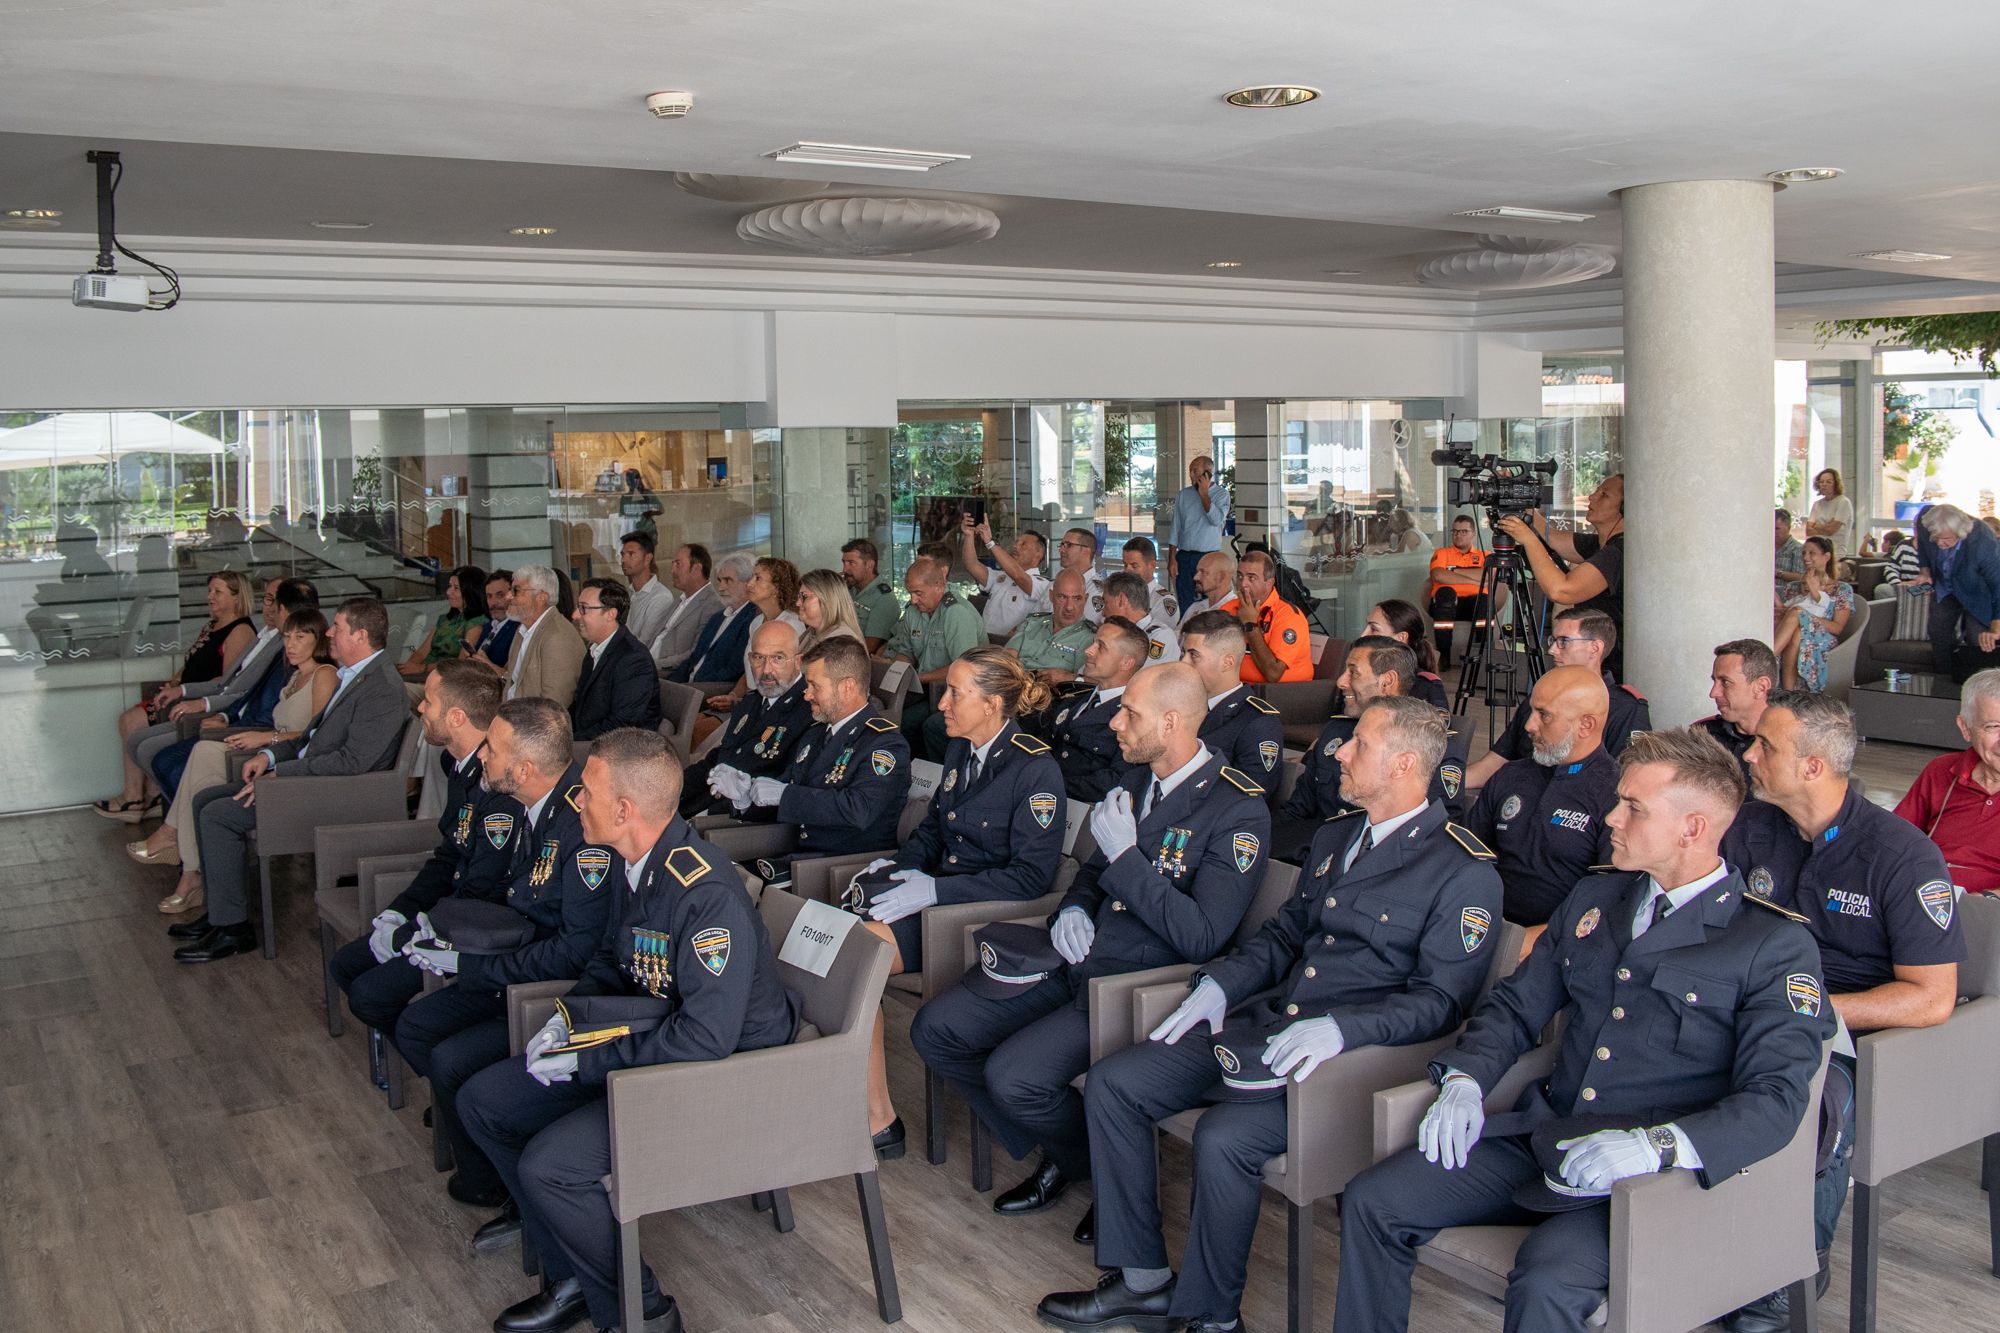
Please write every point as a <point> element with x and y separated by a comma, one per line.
<point>1544,813</point>
<point>1215,580</point>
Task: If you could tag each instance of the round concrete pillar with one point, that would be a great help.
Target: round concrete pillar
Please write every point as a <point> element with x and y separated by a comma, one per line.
<point>1699,306</point>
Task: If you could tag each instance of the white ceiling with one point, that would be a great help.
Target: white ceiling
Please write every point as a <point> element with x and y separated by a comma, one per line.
<point>1429,109</point>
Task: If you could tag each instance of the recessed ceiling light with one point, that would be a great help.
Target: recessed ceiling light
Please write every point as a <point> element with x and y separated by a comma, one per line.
<point>343,226</point>
<point>1803,175</point>
<point>1272,94</point>
<point>861,155</point>
<point>1223,263</point>
<point>1902,256</point>
<point>1343,273</point>
<point>34,214</point>
<point>531,231</point>
<point>1524,214</point>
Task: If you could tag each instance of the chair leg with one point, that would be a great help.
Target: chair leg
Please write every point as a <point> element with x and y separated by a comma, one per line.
<point>1867,1241</point>
<point>1989,1163</point>
<point>441,1154</point>
<point>395,1069</point>
<point>270,921</point>
<point>1992,1160</point>
<point>982,1156</point>
<point>934,1116</point>
<point>888,1303</point>
<point>761,1202</point>
<point>631,1301</point>
<point>1805,1307</point>
<point>781,1211</point>
<point>334,1001</point>
<point>1299,1256</point>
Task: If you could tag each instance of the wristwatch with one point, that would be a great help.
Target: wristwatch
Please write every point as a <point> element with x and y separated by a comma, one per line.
<point>1663,1139</point>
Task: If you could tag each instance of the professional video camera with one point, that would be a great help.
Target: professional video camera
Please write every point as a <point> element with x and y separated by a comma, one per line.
<point>1498,485</point>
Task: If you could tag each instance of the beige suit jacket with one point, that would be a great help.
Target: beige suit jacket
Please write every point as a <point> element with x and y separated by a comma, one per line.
<point>550,664</point>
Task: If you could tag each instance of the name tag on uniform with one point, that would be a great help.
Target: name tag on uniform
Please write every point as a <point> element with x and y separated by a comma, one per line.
<point>814,940</point>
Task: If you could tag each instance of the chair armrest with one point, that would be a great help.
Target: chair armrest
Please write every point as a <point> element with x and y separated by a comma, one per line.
<point>1151,1004</point>
<point>703,823</point>
<point>744,843</point>
<point>381,878</point>
<point>1328,1117</point>
<point>824,878</point>
<point>946,954</point>
<point>1398,1110</point>
<point>1113,1026</point>
<point>1900,1120</point>
<point>291,810</point>
<point>529,1005</point>
<point>338,848</point>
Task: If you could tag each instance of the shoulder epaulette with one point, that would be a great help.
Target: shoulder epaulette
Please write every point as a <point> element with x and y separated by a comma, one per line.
<point>1028,744</point>
<point>1465,838</point>
<point>883,588</point>
<point>1634,693</point>
<point>1601,870</point>
<point>949,599</point>
<point>687,865</point>
<point>1241,781</point>
<point>1767,904</point>
<point>574,797</point>
<point>1262,705</point>
<point>1344,814</point>
<point>880,724</point>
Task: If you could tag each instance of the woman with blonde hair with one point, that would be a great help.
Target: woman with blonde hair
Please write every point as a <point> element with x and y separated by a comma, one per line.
<point>773,593</point>
<point>827,608</point>
<point>994,830</point>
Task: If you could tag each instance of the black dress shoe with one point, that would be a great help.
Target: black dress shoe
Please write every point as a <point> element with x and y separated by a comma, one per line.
<point>190,930</point>
<point>549,1310</point>
<point>497,1233</point>
<point>1086,1230</point>
<point>1207,1325</point>
<point>219,943</point>
<point>889,1144</point>
<point>662,1316</point>
<point>1110,1304</point>
<point>1773,1314</point>
<point>493,1196</point>
<point>1035,1193</point>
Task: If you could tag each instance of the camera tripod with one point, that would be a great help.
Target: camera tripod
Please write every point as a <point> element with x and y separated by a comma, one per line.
<point>1504,660</point>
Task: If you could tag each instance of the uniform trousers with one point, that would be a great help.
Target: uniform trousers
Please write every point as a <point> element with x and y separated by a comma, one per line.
<point>448,1036</point>
<point>552,1146</point>
<point>917,711</point>
<point>376,992</point>
<point>1012,1060</point>
<point>1126,1095</point>
<point>224,828</point>
<point>1560,1276</point>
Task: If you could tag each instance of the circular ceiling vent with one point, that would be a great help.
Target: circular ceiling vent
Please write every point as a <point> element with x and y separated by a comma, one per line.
<point>869,226</point>
<point>744,189</point>
<point>1507,270</point>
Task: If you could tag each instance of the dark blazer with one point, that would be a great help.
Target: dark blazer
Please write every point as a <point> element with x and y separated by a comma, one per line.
<point>1975,569</point>
<point>759,737</point>
<point>620,690</point>
<point>1086,749</point>
<point>845,790</point>
<point>556,882</point>
<point>1247,732</point>
<point>359,731</point>
<point>718,652</point>
<point>475,850</point>
<point>998,837</point>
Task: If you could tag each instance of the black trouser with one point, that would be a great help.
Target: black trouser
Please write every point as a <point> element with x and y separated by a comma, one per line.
<point>376,992</point>
<point>1946,613</point>
<point>448,1036</point>
<point>1451,604</point>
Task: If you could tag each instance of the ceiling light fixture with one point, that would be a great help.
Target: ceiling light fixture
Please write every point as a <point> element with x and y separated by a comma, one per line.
<point>861,155</point>
<point>1272,94</point>
<point>1524,214</point>
<point>342,226</point>
<point>1803,175</point>
<point>531,231</point>
<point>1902,256</point>
<point>34,214</point>
<point>1223,263</point>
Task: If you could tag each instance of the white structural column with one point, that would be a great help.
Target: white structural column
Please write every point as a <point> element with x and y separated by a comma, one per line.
<point>1698,446</point>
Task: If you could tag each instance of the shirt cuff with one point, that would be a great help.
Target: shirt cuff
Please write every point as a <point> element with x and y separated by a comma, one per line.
<point>269,758</point>
<point>1685,1157</point>
<point>205,706</point>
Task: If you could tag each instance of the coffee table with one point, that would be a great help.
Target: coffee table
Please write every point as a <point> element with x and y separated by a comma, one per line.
<point>1918,709</point>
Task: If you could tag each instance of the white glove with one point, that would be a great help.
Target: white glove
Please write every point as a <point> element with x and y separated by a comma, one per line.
<point>1113,824</point>
<point>1073,934</point>
<point>914,892</point>
<point>875,865</point>
<point>766,791</point>
<point>1304,1046</point>
<point>554,1033</point>
<point>1452,1125</point>
<point>1597,1161</point>
<point>381,940</point>
<point>1207,1004</point>
<point>553,1068</point>
<point>731,784</point>
<point>438,962</point>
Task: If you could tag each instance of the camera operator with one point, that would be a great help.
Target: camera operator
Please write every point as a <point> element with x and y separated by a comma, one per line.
<point>1596,578</point>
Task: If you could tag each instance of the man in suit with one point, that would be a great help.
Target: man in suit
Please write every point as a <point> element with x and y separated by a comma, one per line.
<point>548,652</point>
<point>688,571</point>
<point>359,731</point>
<point>762,731</point>
<point>718,649</point>
<point>618,686</point>
<point>497,644</point>
<point>1077,724</point>
<point>1241,726</point>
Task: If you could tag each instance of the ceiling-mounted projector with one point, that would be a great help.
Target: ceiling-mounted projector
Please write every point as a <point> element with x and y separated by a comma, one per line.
<point>104,288</point>
<point>111,291</point>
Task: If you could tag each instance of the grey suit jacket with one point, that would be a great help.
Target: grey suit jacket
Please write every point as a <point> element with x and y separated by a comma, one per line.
<point>359,732</point>
<point>676,642</point>
<point>548,666</point>
<point>224,691</point>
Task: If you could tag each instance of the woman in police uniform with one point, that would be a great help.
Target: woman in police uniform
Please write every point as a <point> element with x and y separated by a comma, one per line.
<point>994,830</point>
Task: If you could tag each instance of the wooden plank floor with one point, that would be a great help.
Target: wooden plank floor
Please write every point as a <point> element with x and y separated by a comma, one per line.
<point>186,1149</point>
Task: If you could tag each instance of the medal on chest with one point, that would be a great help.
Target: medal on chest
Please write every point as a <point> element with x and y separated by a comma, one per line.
<point>545,865</point>
<point>463,833</point>
<point>652,965</point>
<point>1171,859</point>
<point>838,773</point>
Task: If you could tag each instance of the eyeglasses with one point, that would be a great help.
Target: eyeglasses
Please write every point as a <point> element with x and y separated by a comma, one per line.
<point>586,606</point>
<point>1565,640</point>
<point>1067,542</point>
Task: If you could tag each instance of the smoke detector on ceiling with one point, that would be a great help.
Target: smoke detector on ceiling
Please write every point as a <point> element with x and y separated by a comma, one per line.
<point>670,105</point>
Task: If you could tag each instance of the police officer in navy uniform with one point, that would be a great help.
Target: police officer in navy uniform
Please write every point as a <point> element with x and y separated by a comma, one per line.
<point>1576,638</point>
<point>1696,1015</point>
<point>1875,892</point>
<point>1077,723</point>
<point>850,777</point>
<point>994,830</point>
<point>451,1034</point>
<point>1740,684</point>
<point>1544,815</point>
<point>1376,666</point>
<point>1242,727</point>
<point>1386,943</point>
<point>1180,852</point>
<point>762,731</point>
<point>683,933</point>
<point>472,858</point>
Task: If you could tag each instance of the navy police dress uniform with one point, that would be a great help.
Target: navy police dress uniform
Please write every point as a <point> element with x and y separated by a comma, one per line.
<point>1630,712</point>
<point>1736,742</point>
<point>986,838</point>
<point>1394,948</point>
<point>682,931</point>
<point>1546,822</point>
<point>1713,1019</point>
<point>474,853</point>
<point>845,790</point>
<point>1315,797</point>
<point>1077,726</point>
<point>759,737</point>
<point>452,1034</point>
<point>1245,730</point>
<point>1176,896</point>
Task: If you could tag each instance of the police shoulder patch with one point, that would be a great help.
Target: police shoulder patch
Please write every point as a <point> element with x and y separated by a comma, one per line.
<point>711,946</point>
<point>1937,899</point>
<point>1770,906</point>
<point>1029,744</point>
<point>1465,838</point>
<point>880,724</point>
<point>574,796</point>
<point>687,865</point>
<point>1261,704</point>
<point>1241,781</point>
<point>593,864</point>
<point>1803,994</point>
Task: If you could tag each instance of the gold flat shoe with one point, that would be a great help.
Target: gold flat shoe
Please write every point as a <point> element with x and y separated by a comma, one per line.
<point>137,851</point>
<point>182,902</point>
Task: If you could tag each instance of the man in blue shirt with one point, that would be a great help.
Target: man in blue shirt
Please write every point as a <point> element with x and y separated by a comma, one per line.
<point>1201,512</point>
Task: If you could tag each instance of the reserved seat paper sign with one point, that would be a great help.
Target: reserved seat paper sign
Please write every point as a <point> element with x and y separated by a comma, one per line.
<point>814,940</point>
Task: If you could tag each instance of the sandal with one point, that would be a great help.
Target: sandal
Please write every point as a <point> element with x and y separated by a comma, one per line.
<point>171,856</point>
<point>182,902</point>
<point>125,812</point>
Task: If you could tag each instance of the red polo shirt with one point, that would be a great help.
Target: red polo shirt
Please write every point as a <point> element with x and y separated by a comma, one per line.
<point>1960,817</point>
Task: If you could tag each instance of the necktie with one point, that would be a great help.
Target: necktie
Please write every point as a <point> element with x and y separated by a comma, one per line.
<point>1661,906</point>
<point>1362,847</point>
<point>972,769</point>
<point>1152,798</point>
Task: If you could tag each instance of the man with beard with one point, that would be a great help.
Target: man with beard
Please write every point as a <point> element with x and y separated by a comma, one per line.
<point>1050,643</point>
<point>1241,726</point>
<point>761,732</point>
<point>1078,723</point>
